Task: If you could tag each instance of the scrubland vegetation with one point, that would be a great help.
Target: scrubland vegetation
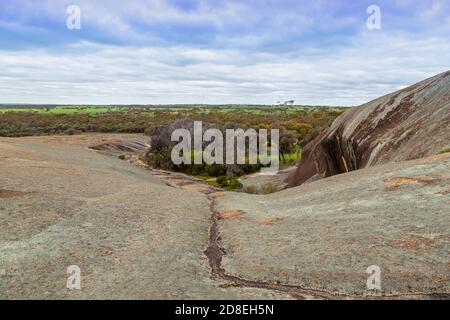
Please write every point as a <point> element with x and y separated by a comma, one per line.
<point>297,125</point>
<point>296,128</point>
<point>69,120</point>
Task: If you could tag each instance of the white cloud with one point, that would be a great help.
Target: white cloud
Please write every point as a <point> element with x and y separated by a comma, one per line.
<point>375,64</point>
<point>139,20</point>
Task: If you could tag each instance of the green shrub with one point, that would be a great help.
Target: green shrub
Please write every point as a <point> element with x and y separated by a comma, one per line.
<point>235,184</point>
<point>221,179</point>
<point>213,182</point>
<point>215,170</point>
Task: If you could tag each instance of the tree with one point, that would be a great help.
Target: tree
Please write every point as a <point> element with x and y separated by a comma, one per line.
<point>287,142</point>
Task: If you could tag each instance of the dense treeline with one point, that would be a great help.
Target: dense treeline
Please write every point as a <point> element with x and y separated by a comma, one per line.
<point>159,155</point>
<point>302,123</point>
<point>297,126</point>
<point>14,124</point>
<point>296,129</point>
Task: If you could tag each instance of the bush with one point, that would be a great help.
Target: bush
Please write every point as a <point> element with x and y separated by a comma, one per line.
<point>223,181</point>
<point>215,170</point>
<point>235,184</point>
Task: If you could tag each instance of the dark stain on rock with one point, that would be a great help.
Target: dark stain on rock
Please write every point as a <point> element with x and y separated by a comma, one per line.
<point>409,124</point>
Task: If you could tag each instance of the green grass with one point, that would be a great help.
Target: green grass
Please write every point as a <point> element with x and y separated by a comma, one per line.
<point>4,110</point>
<point>66,110</point>
<point>204,178</point>
<point>213,182</point>
<point>99,110</point>
<point>291,158</point>
<point>230,184</point>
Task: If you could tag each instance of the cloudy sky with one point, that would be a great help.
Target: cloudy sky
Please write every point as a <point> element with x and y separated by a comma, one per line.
<point>199,51</point>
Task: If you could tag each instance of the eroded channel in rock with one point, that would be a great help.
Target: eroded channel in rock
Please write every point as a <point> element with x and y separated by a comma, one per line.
<point>215,253</point>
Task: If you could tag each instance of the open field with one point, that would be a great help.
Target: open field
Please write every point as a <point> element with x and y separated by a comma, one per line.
<point>62,110</point>
<point>204,108</point>
<point>94,110</point>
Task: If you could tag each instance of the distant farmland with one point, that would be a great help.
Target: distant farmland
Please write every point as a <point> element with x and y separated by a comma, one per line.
<point>43,120</point>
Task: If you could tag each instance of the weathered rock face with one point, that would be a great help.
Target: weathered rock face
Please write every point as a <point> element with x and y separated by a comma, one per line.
<point>407,124</point>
